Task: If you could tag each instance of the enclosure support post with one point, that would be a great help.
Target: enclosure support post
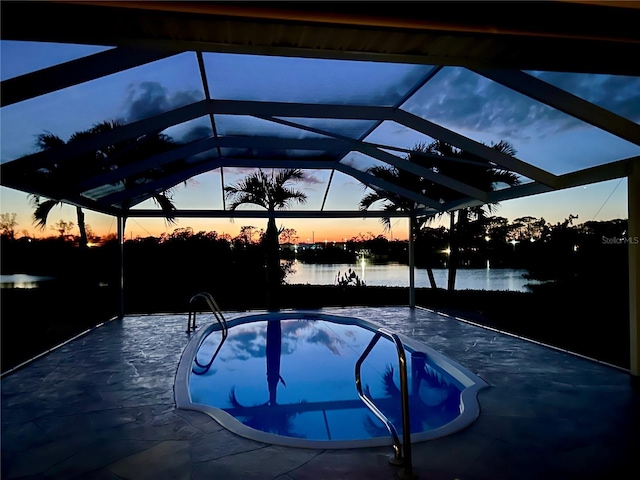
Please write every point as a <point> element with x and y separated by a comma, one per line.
<point>633,194</point>
<point>412,273</point>
<point>121,221</point>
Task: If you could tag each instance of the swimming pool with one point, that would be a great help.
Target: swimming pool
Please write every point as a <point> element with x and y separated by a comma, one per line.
<point>288,378</point>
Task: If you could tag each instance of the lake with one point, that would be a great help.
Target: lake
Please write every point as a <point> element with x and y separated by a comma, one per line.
<point>397,275</point>
<point>389,275</point>
<point>22,280</point>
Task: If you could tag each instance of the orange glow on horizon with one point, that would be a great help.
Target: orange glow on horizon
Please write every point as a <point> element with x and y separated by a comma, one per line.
<point>307,230</point>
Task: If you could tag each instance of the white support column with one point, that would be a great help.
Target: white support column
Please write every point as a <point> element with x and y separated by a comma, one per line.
<point>121,222</point>
<point>634,265</point>
<point>412,273</point>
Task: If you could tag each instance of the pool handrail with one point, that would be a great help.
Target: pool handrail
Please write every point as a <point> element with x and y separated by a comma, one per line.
<point>215,309</point>
<point>399,459</point>
<point>217,313</point>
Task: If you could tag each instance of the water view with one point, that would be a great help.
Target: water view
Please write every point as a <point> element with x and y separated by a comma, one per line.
<point>387,275</point>
<point>21,280</point>
<point>397,275</point>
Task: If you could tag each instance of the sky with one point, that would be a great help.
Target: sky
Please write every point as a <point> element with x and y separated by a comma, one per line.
<point>455,98</point>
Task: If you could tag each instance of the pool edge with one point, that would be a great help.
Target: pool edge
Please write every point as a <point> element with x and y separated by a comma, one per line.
<point>469,396</point>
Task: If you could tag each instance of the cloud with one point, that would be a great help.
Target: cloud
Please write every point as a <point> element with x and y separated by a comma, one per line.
<point>462,99</point>
<point>247,343</point>
<point>237,173</point>
<point>333,343</point>
<point>619,94</point>
<point>146,99</point>
<point>458,98</point>
<point>312,178</point>
<point>197,132</point>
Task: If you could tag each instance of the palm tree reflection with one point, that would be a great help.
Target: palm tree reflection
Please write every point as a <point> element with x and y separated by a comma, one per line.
<point>433,400</point>
<point>274,352</point>
<point>269,416</point>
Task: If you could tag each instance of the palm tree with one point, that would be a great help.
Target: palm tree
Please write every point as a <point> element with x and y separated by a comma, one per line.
<point>42,206</point>
<point>269,192</point>
<point>452,162</point>
<point>472,170</point>
<point>93,163</point>
<point>393,202</point>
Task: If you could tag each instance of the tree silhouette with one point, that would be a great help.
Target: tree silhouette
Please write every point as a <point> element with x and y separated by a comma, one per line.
<point>95,162</point>
<point>270,192</point>
<point>392,202</point>
<point>8,225</point>
<point>443,158</point>
<point>472,170</point>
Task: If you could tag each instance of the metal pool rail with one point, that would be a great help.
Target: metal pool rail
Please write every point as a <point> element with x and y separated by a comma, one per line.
<point>399,458</point>
<point>217,313</point>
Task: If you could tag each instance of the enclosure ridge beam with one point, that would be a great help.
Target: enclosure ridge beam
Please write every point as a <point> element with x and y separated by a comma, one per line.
<point>369,179</point>
<point>74,72</point>
<point>282,143</point>
<point>198,109</point>
<point>375,152</point>
<point>144,191</point>
<point>141,213</point>
<point>587,176</point>
<point>125,132</point>
<point>205,144</point>
<point>140,166</point>
<point>461,203</point>
<point>305,110</point>
<point>71,199</point>
<point>599,173</point>
<point>421,171</point>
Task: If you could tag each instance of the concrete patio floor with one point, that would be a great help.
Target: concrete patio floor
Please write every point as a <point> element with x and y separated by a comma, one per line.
<point>102,407</point>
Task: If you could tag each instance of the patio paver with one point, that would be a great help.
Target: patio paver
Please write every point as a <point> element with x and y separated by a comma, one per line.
<point>102,407</point>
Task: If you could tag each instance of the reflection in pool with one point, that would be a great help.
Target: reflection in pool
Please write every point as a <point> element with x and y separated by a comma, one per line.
<point>291,375</point>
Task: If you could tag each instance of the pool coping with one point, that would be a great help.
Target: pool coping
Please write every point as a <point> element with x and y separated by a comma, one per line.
<point>470,406</point>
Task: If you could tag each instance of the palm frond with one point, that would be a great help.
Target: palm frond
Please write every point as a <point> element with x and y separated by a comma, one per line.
<point>386,221</point>
<point>79,135</point>
<point>41,212</point>
<point>287,175</point>
<point>246,198</point>
<point>48,140</point>
<point>389,174</point>
<point>165,203</point>
<point>248,190</point>
<point>34,200</point>
<point>504,147</point>
<point>505,176</point>
<point>266,191</point>
<point>105,126</point>
<point>370,198</point>
<point>439,148</point>
<point>399,177</point>
<point>287,196</point>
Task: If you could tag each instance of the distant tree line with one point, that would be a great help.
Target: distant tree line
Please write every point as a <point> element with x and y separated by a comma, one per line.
<point>546,251</point>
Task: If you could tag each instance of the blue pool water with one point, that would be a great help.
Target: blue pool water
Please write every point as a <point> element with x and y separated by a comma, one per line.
<point>293,376</point>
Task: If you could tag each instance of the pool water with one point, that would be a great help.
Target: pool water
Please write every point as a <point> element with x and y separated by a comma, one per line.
<point>294,377</point>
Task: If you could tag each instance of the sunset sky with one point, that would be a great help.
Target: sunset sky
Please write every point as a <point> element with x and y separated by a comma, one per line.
<point>455,98</point>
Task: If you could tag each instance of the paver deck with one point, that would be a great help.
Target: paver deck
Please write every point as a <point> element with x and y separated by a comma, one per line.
<point>102,407</point>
